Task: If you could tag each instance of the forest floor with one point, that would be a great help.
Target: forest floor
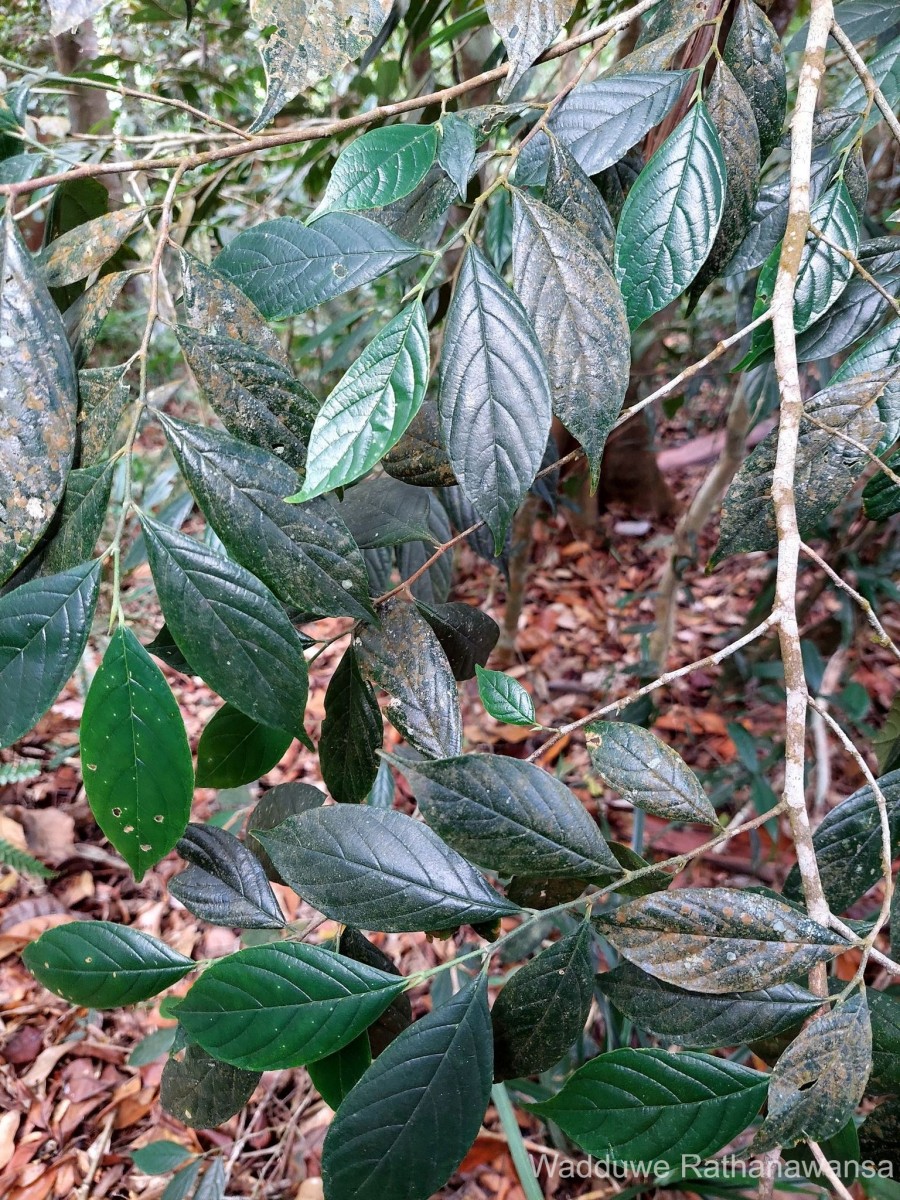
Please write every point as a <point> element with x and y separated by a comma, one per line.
<point>72,1109</point>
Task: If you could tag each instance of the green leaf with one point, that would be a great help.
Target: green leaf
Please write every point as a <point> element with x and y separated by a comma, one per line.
<point>456,150</point>
<point>647,772</point>
<point>649,1104</point>
<point>406,1126</point>
<point>630,860</point>
<point>718,939</point>
<point>212,1185</point>
<point>420,457</point>
<point>381,511</point>
<point>79,520</point>
<point>103,395</point>
<point>234,749</point>
<point>527,29</point>
<point>697,1021</point>
<point>215,307</point>
<point>509,816</point>
<point>158,1158</point>
<point>570,192</point>
<point>398,1014</point>
<point>879,357</point>
<point>96,964</point>
<point>151,1048</point>
<point>826,468</point>
<point>225,884</point>
<point>40,398</point>
<point>881,496</point>
<point>754,55</point>
<point>879,1137</point>
<point>884,68</point>
<point>135,758</point>
<point>466,634</point>
<point>579,318</point>
<point>372,406</point>
<point>856,313</point>
<point>87,247</point>
<point>848,845</point>
<point>380,167</point>
<point>380,869</point>
<point>286,267</point>
<point>44,627</point>
<point>544,1007</point>
<point>275,806</point>
<point>334,1075</point>
<point>283,1005</point>
<point>180,1186</point>
<point>504,698</point>
<point>230,628</point>
<point>352,733</point>
<point>494,399</point>
<point>671,217</point>
<point>886,742</point>
<point>404,658</point>
<point>884,1016</point>
<point>819,1080</point>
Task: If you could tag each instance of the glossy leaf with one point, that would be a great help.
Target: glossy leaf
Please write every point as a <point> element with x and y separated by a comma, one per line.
<point>379,869</point>
<point>202,1092</point>
<point>543,1008</point>
<point>884,69</point>
<point>696,1021</point>
<point>372,406</point>
<point>381,511</point>
<point>404,658</point>
<point>352,733</point>
<point>286,267</point>
<point>527,28</point>
<point>570,192</point>
<point>235,750</point>
<point>393,1135</point>
<point>214,306</point>
<point>135,758</point>
<point>224,884</point>
<point>79,520</point>
<point>647,772</point>
<point>671,217</point>
<point>466,634</point>
<point>230,628</point>
<point>504,698</point>
<point>579,318</point>
<point>283,1004</point>
<point>494,395</point>
<point>380,167</point>
<point>87,247</point>
<point>819,1080</point>
<point>334,1076</point>
<point>633,1105</point>
<point>718,939</point>
<point>96,964</point>
<point>276,805</point>
<point>754,55</point>
<point>44,627</point>
<point>881,496</point>
<point>509,816</point>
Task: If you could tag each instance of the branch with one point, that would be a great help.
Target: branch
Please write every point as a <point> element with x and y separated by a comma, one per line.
<point>882,637</point>
<point>857,266</point>
<point>873,91</point>
<point>825,1167</point>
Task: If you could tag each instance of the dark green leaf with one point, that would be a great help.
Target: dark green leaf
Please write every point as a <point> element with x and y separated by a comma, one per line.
<point>379,869</point>
<point>225,884</point>
<point>398,1014</point>
<point>74,201</point>
<point>164,648</point>
<point>881,496</point>
<point>103,396</point>
<point>456,151</point>
<point>576,308</point>
<point>648,1104</point>
<point>694,1020</point>
<point>351,733</point>
<point>286,267</point>
<point>334,1075</point>
<point>467,635</point>
<point>509,816</point>
<point>87,247</point>
<point>381,511</point>
<point>158,1158</point>
<point>135,758</point>
<point>544,891</point>
<point>527,29</point>
<point>84,319</point>
<point>505,698</point>
<point>753,52</point>
<point>570,192</point>
<point>494,395</point>
<point>420,457</point>
<point>404,658</point>
<point>884,1016</point>
<point>647,772</point>
<point>215,307</point>
<point>886,742</point>
<point>201,1091</point>
<point>275,806</point>
<point>879,1138</point>
<point>856,312</point>
<point>79,519</point>
<point>432,587</point>
<point>408,1123</point>
<point>819,1080</point>
<point>718,939</point>
<point>884,69</point>
<point>40,398</point>
<point>879,357</point>
<point>180,1186</point>
<point>629,860</point>
<point>543,1008</point>
<point>671,217</point>
<point>230,628</point>
<point>234,749</point>
<point>380,167</point>
<point>44,627</point>
<point>96,964</point>
<point>283,1005</point>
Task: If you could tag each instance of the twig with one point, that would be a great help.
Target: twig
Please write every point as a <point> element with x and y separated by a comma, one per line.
<point>825,1167</point>
<point>881,635</point>
<point>769,1161</point>
<point>873,91</point>
<point>857,267</point>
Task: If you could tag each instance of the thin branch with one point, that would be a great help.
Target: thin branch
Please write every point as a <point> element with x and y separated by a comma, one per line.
<point>857,445</point>
<point>873,91</point>
<point>857,267</point>
<point>881,635</point>
<point>825,1167</point>
<point>888,964</point>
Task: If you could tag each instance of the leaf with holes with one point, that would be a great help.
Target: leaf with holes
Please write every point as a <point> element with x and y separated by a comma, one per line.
<point>135,758</point>
<point>382,166</point>
<point>753,53</point>
<point>224,883</point>
<point>202,1092</point>
<point>527,28</point>
<point>504,698</point>
<point>235,750</point>
<point>352,733</point>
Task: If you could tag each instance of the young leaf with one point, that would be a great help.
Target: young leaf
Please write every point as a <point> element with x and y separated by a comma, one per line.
<point>286,267</point>
<point>509,816</point>
<point>404,657</point>
<point>380,167</point>
<point>215,307</point>
<point>718,939</point>
<point>649,1104</point>
<point>494,399</point>
<point>753,53</point>
<point>96,964</point>
<point>697,1021</point>
<point>504,698</point>
<point>570,192</point>
<point>158,1158</point>
<point>456,150</point>
<point>380,511</point>
<point>40,399</point>
<point>44,627</point>
<point>379,869</point>
<point>576,308</point>
<point>819,1080</point>
<point>283,1005</point>
<point>352,733</point>
<point>647,772</point>
<point>335,1075</point>
<point>671,217</point>
<point>466,634</point>
<point>406,1126</point>
<point>544,1007</point>
<point>372,406</point>
<point>230,628</point>
<point>527,29</point>
<point>87,247</point>
<point>224,884</point>
<point>135,758</point>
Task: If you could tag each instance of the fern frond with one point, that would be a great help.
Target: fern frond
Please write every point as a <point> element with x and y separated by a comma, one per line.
<point>24,863</point>
<point>17,772</point>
